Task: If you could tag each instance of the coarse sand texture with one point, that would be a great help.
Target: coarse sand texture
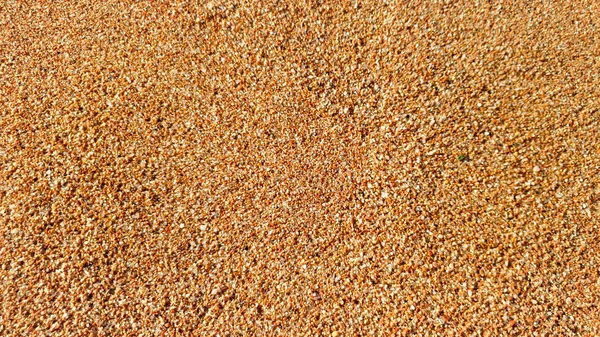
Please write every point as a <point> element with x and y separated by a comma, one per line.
<point>299,168</point>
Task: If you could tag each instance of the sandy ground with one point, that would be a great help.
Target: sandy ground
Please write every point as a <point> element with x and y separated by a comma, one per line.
<point>299,168</point>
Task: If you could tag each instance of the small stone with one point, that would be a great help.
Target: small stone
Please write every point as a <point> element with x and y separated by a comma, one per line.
<point>202,227</point>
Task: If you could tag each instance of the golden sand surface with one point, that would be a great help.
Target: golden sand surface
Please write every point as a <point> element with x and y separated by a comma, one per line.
<point>299,168</point>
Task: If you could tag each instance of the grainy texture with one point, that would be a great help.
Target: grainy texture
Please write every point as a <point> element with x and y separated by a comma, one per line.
<point>313,168</point>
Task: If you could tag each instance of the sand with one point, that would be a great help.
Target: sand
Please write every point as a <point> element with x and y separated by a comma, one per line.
<point>301,168</point>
